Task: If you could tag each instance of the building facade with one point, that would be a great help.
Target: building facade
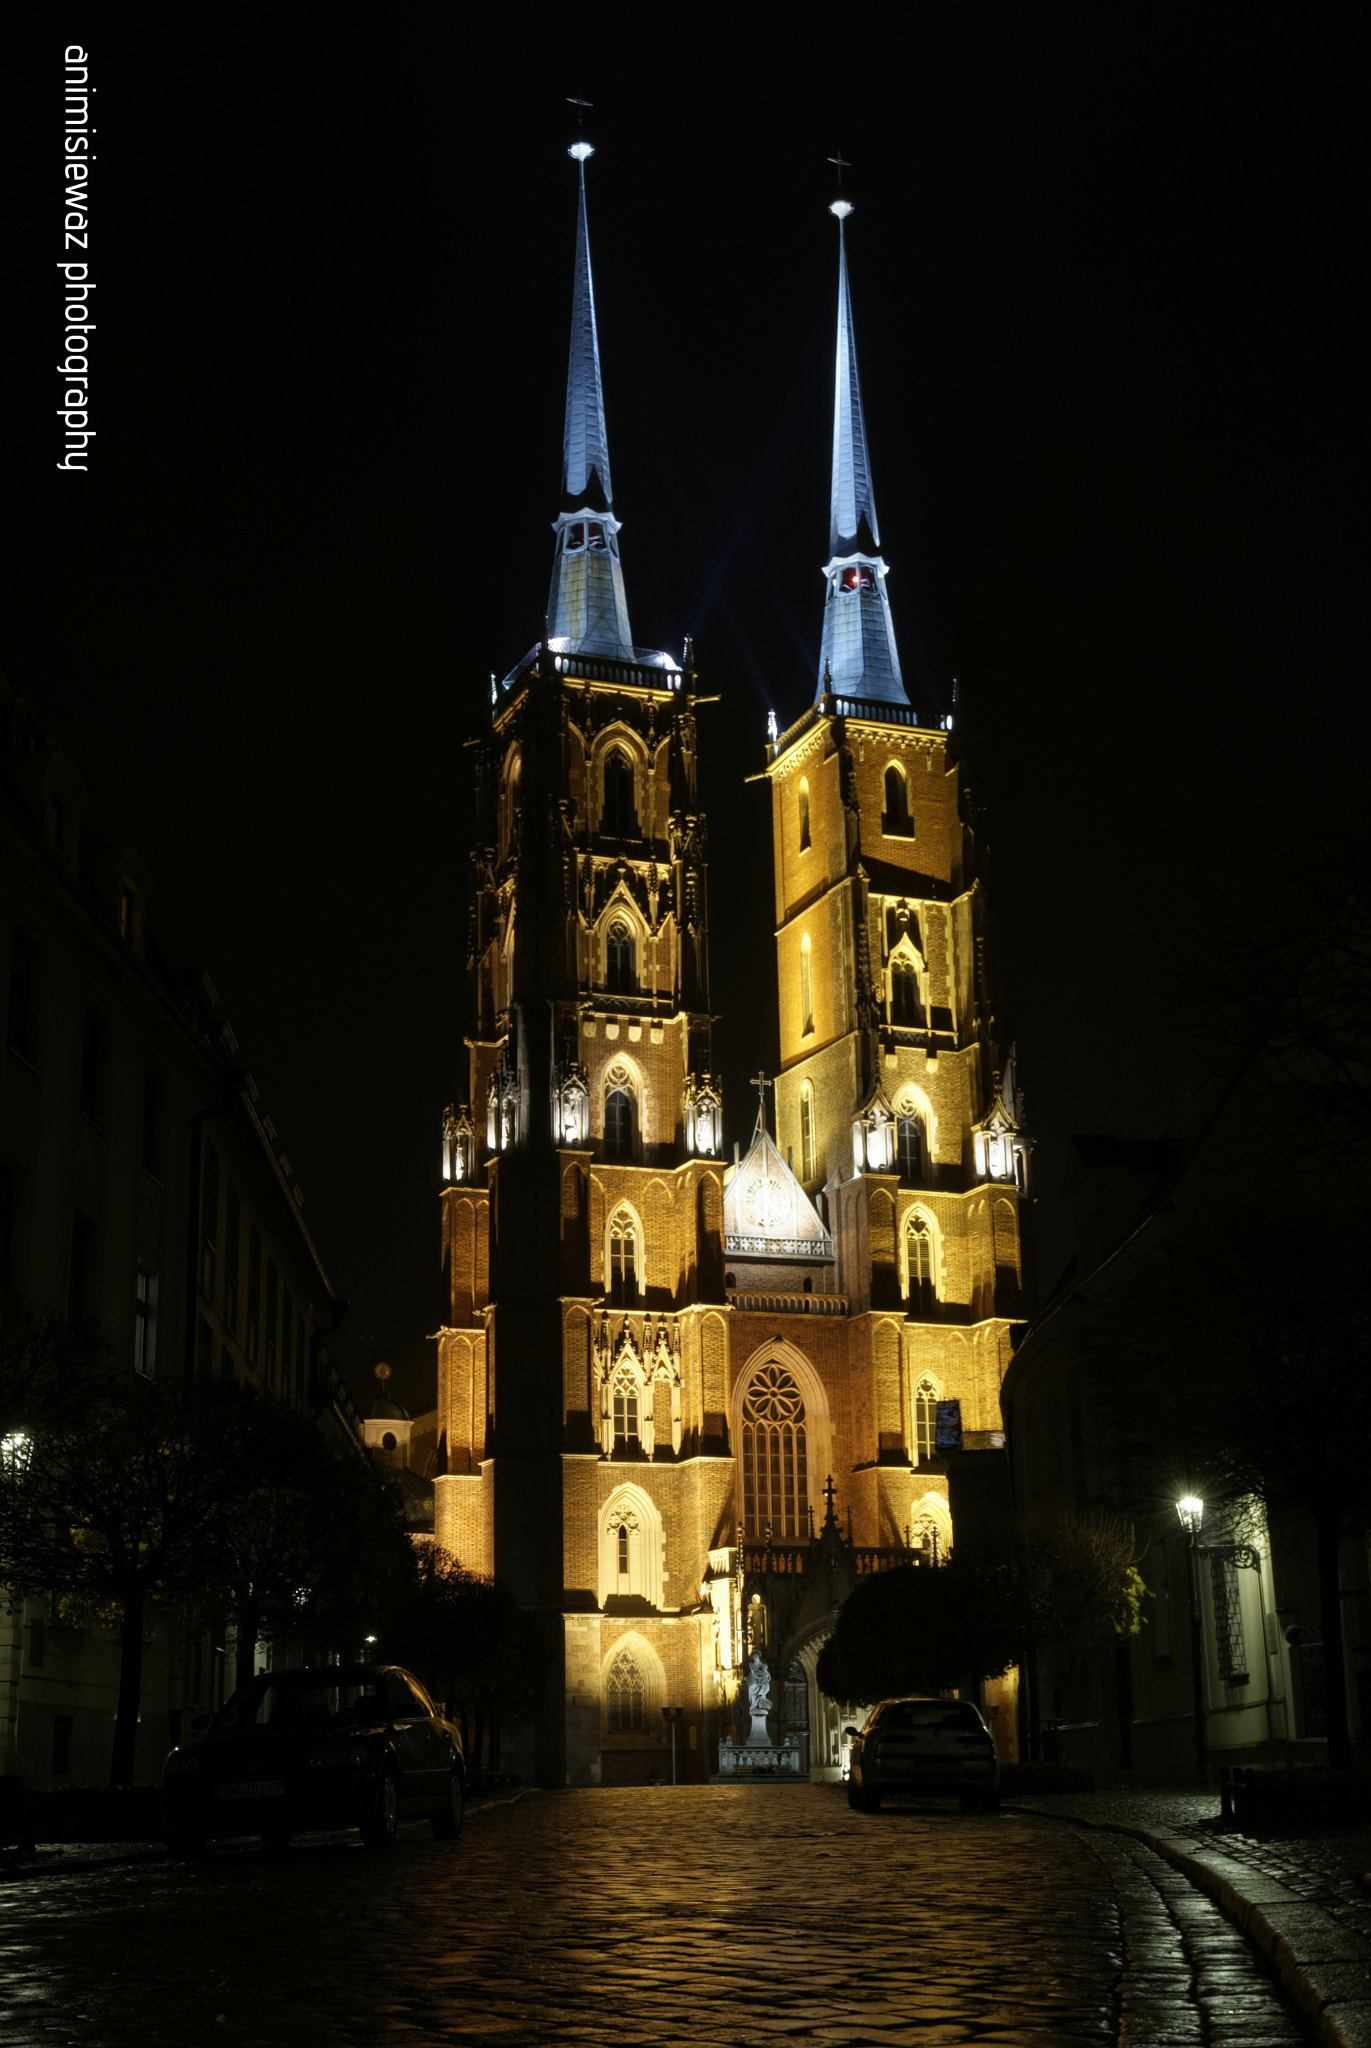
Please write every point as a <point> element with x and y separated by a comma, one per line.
<point>143,1190</point>
<point>683,1401</point>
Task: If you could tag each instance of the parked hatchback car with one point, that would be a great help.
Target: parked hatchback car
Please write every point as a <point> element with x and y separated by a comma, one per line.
<point>930,1747</point>
<point>328,1747</point>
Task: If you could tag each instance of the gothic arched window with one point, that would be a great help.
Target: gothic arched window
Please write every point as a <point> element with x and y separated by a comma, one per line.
<point>806,990</point>
<point>621,1550</point>
<point>806,1132</point>
<point>625,1697</point>
<point>775,1474</point>
<point>620,974</point>
<point>623,1260</point>
<point>897,823</point>
<point>919,1258</point>
<point>925,1419</point>
<point>909,1151</point>
<point>904,991</point>
<point>619,817</point>
<point>625,1429</point>
<point>804,814</point>
<point>618,1124</point>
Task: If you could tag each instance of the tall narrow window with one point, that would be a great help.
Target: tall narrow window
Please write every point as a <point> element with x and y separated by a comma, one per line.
<point>925,1419</point>
<point>625,1697</point>
<point>806,1132</point>
<point>804,814</point>
<point>909,1148</point>
<point>897,823</point>
<point>618,818</point>
<point>904,991</point>
<point>623,1261</point>
<point>625,1409</point>
<point>145,1322</point>
<point>154,1137</point>
<point>806,990</point>
<point>621,1550</point>
<point>919,1254</point>
<point>618,1124</point>
<point>775,1453</point>
<point>620,975</point>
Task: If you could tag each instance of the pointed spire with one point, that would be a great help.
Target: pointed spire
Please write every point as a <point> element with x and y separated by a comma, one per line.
<point>585,452</point>
<point>853,499</point>
<point>587,609</point>
<point>858,656</point>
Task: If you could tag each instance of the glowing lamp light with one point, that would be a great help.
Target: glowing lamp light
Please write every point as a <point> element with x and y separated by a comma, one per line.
<point>1191,1512</point>
<point>368,1639</point>
<point>841,208</point>
<point>581,150</point>
<point>15,1452</point>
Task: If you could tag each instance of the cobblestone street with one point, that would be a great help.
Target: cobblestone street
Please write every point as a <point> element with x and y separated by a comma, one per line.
<point>710,1915</point>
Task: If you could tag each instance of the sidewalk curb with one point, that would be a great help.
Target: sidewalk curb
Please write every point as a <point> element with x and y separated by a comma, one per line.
<point>150,1852</point>
<point>1293,1975</point>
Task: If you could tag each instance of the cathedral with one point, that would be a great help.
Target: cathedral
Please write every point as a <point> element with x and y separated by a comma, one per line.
<point>686,1399</point>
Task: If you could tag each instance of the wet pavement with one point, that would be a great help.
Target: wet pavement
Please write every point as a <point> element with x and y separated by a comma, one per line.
<point>710,1914</point>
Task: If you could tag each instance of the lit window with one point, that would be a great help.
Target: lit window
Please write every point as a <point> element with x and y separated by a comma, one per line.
<point>625,1422</point>
<point>919,1257</point>
<point>775,1474</point>
<point>619,816</point>
<point>925,1419</point>
<point>623,1260</point>
<point>858,577</point>
<point>897,823</point>
<point>625,1697</point>
<point>804,815</point>
<point>904,992</point>
<point>620,975</point>
<point>806,990</point>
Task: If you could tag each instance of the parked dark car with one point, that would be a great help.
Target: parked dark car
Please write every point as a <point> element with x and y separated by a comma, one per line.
<point>330,1747</point>
<point>930,1747</point>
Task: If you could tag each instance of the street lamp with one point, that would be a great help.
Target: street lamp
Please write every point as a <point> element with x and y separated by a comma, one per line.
<point>1190,1508</point>
<point>671,1715</point>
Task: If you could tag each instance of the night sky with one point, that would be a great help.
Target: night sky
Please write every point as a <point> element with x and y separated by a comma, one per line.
<point>1104,263</point>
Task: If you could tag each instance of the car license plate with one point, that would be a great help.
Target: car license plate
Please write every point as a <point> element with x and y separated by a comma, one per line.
<point>256,1788</point>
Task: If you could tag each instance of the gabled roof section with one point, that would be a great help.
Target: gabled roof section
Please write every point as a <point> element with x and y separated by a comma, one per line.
<point>585,451</point>
<point>767,1214</point>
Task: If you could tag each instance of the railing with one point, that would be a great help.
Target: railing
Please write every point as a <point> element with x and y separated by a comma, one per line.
<point>780,1247</point>
<point>788,1304</point>
<point>792,1559</point>
<point>873,710</point>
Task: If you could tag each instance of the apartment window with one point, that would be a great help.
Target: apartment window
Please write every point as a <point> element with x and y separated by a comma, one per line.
<point>233,1252</point>
<point>154,1116</point>
<point>145,1321</point>
<point>209,1224</point>
<point>94,1064</point>
<point>22,1022</point>
<point>254,1292</point>
<point>273,1304</point>
<point>83,1276</point>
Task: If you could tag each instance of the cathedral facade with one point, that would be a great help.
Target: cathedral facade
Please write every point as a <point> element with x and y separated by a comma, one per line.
<point>685,1400</point>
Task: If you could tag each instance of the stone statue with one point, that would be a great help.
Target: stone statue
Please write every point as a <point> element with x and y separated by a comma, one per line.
<point>758,1687</point>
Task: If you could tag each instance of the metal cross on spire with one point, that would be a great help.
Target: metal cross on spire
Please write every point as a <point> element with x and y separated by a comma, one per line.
<point>761,1082</point>
<point>841,164</point>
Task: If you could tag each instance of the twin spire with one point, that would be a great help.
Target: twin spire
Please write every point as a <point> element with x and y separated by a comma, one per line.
<point>587,610</point>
